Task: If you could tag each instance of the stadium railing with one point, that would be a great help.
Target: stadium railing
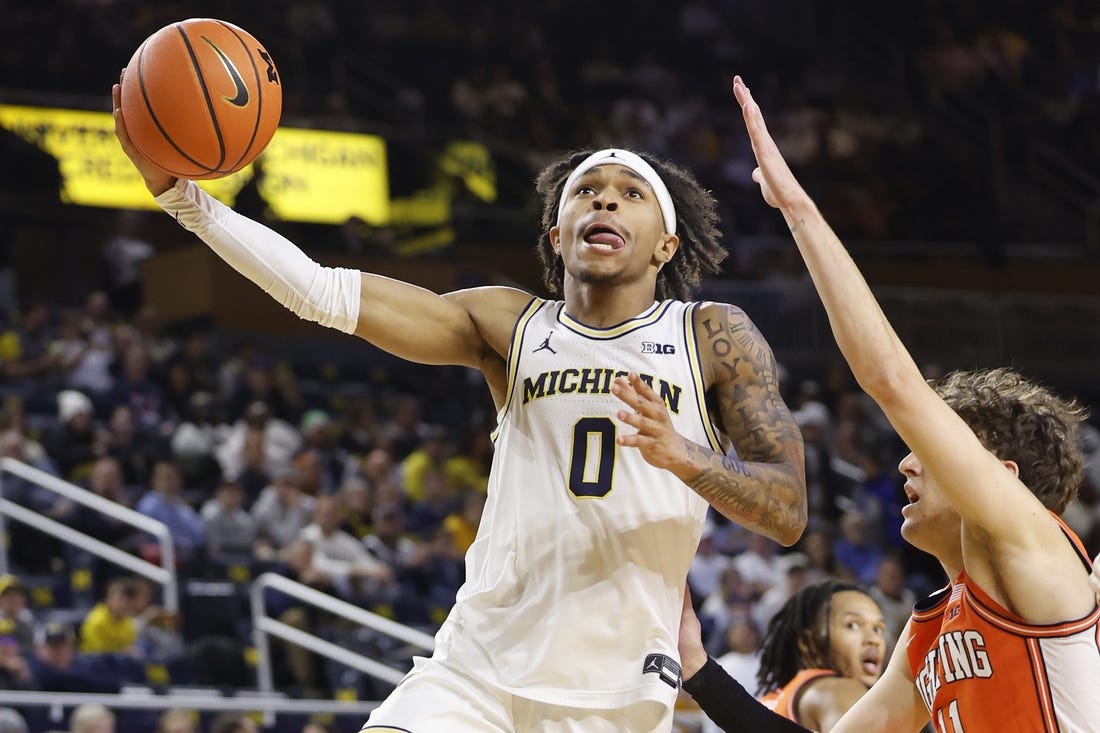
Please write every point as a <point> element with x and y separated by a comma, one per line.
<point>163,574</point>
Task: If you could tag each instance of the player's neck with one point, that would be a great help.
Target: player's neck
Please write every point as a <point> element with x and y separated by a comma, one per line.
<point>601,306</point>
<point>952,562</point>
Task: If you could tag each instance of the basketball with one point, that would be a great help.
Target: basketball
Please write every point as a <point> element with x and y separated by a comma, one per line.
<point>201,98</point>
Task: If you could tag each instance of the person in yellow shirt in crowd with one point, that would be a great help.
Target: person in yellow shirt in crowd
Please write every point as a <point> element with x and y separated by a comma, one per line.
<point>112,625</point>
<point>462,524</point>
<point>428,457</point>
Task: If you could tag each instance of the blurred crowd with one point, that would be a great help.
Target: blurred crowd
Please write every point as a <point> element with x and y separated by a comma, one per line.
<point>876,105</point>
<point>357,484</point>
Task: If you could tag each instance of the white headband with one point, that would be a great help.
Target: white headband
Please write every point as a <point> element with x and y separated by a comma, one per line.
<point>634,162</point>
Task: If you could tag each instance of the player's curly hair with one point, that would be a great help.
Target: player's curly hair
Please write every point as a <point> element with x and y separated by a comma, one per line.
<point>1022,421</point>
<point>700,253</point>
<point>798,636</point>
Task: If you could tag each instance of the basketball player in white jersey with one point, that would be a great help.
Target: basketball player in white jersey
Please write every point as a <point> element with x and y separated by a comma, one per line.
<point>622,414</point>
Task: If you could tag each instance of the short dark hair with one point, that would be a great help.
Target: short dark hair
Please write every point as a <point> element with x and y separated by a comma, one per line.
<point>701,251</point>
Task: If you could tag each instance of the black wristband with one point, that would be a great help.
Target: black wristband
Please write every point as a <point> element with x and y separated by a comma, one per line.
<point>730,706</point>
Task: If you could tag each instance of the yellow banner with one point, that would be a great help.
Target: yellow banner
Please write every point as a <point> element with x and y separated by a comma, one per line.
<point>327,177</point>
<point>308,175</point>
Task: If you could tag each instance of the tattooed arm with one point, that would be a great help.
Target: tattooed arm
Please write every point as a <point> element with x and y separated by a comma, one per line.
<point>763,485</point>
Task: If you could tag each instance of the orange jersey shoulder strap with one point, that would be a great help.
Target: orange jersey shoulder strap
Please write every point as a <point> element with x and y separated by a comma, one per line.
<point>784,700</point>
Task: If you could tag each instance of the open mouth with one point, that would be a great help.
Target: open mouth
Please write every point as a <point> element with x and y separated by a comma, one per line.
<point>603,236</point>
<point>871,664</point>
<point>911,494</point>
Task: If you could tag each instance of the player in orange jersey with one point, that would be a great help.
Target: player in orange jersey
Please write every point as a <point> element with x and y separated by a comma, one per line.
<point>1012,642</point>
<point>821,652</point>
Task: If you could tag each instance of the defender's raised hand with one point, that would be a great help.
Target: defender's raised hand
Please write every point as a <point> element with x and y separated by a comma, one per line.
<point>778,185</point>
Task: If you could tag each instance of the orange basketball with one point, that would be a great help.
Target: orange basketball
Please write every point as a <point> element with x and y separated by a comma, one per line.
<point>201,98</point>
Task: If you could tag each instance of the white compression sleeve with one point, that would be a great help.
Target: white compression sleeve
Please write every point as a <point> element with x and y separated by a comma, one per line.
<point>327,295</point>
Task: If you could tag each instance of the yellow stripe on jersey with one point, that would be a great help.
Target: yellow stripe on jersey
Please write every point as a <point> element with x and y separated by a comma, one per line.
<point>691,346</point>
<point>532,308</point>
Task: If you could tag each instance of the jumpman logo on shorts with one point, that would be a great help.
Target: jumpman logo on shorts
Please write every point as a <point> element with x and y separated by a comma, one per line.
<point>546,345</point>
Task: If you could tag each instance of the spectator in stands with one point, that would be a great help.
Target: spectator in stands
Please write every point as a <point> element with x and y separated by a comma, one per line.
<point>404,430</point>
<point>255,476</point>
<point>134,445</point>
<point>891,595</point>
<point>793,579</point>
<point>742,661</point>
<point>362,433</point>
<point>430,455</point>
<point>823,484</point>
<point>388,542</point>
<point>307,464</point>
<point>279,441</point>
<point>29,548</point>
<point>379,466</point>
<point>708,565</point>
<point>199,362</point>
<point>759,565</point>
<point>56,666</point>
<point>11,721</point>
<point>734,597</point>
<point>136,388</point>
<point>259,384</point>
<point>356,504</point>
<point>106,481</point>
<point>281,512</point>
<point>89,347</point>
<point>354,572</point>
<point>14,671</point>
<point>314,726</point>
<point>468,469</point>
<point>230,530</point>
<point>74,443</point>
<point>178,720</point>
<point>158,635</point>
<point>195,440</point>
<point>296,563</point>
<point>854,550</point>
<point>26,359</point>
<point>164,502</point>
<point>150,332</point>
<point>111,626</point>
<point>427,515</point>
<point>233,723</point>
<point>14,614</point>
<point>818,547</point>
<point>91,718</point>
<point>462,523</point>
<point>318,436</point>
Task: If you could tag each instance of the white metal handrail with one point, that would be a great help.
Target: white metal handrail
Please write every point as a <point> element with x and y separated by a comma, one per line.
<point>144,701</point>
<point>163,574</point>
<point>264,625</point>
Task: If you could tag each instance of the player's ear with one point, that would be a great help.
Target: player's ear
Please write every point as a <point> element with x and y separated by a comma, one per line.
<point>1013,468</point>
<point>666,248</point>
<point>555,239</point>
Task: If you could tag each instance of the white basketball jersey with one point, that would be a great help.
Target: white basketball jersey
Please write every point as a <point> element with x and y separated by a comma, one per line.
<point>575,581</point>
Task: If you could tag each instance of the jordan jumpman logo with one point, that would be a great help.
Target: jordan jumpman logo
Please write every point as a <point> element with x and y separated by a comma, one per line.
<point>546,345</point>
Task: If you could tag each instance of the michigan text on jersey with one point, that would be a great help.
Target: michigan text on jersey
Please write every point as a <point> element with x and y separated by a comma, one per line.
<point>594,381</point>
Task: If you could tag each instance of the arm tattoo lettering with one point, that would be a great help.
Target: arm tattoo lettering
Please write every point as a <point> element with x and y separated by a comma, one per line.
<point>762,483</point>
